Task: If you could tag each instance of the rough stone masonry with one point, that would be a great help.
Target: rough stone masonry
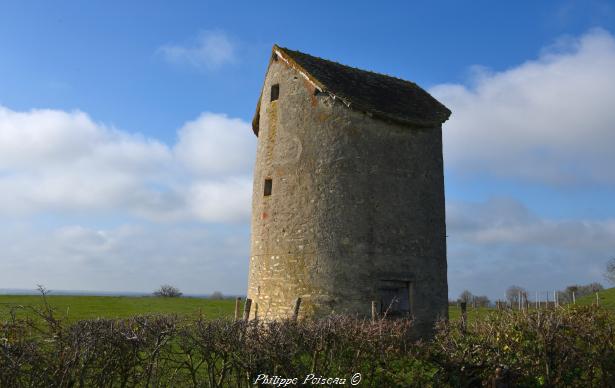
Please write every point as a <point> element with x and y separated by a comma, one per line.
<point>348,198</point>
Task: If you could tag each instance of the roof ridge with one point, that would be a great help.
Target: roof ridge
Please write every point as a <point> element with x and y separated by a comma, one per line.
<point>351,67</point>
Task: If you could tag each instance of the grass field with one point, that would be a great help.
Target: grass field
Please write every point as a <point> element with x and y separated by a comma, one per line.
<point>90,307</point>
<point>473,313</point>
<point>607,299</point>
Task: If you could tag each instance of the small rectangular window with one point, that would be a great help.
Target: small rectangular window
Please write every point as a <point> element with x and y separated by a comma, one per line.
<point>396,298</point>
<point>268,186</point>
<point>275,92</point>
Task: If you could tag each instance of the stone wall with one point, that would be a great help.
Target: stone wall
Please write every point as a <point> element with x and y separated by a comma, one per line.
<point>356,203</point>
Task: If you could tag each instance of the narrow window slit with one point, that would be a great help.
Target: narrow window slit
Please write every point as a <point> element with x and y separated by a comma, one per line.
<point>268,186</point>
<point>275,92</point>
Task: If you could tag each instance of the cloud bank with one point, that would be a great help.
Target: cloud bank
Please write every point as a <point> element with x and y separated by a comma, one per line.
<point>131,257</point>
<point>500,242</point>
<point>65,162</point>
<point>178,213</point>
<point>547,121</point>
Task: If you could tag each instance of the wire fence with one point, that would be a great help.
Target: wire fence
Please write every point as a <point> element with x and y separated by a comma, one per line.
<point>524,299</point>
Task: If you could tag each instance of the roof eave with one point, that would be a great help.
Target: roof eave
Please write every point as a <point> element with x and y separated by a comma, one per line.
<point>414,123</point>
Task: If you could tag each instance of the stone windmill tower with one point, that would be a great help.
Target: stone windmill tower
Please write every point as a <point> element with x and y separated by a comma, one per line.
<point>348,200</point>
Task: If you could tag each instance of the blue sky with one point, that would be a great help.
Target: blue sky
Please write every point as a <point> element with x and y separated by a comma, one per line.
<point>126,154</point>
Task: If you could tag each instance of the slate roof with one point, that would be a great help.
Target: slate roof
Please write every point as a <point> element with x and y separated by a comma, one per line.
<point>381,95</point>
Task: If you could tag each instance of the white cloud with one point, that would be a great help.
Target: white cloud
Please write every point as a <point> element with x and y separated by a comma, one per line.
<point>548,120</point>
<point>499,242</point>
<point>63,161</point>
<point>216,144</point>
<point>211,50</point>
<point>189,204</point>
<point>206,197</point>
<point>197,259</point>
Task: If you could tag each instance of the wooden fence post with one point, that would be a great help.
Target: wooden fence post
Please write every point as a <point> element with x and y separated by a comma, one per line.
<point>246,309</point>
<point>519,296</point>
<point>237,308</point>
<point>374,310</point>
<point>296,309</point>
<point>464,316</point>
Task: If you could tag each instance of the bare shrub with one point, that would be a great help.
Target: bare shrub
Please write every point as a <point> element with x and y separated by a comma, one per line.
<point>168,351</point>
<point>558,347</point>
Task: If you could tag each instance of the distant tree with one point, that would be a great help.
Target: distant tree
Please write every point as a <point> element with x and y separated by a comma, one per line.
<point>565,296</point>
<point>216,295</point>
<point>466,296</point>
<point>168,291</point>
<point>609,274</point>
<point>513,293</point>
<point>579,291</point>
<point>569,292</point>
<point>591,288</point>
<point>482,301</point>
<point>570,289</point>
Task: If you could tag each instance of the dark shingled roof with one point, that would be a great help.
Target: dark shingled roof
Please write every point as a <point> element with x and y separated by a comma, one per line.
<point>381,95</point>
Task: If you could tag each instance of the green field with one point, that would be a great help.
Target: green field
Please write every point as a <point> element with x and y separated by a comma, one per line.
<point>607,299</point>
<point>473,313</point>
<point>75,308</point>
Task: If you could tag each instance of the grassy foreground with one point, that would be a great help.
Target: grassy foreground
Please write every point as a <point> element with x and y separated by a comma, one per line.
<point>573,346</point>
<point>567,347</point>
